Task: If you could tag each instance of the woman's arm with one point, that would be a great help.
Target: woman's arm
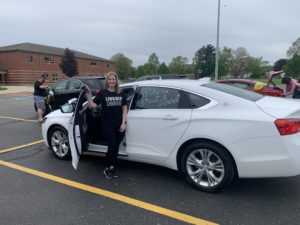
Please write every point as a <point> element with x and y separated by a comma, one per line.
<point>124,113</point>
<point>124,117</point>
<point>91,103</point>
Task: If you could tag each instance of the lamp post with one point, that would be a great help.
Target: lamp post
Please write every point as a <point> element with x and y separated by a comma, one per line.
<point>217,45</point>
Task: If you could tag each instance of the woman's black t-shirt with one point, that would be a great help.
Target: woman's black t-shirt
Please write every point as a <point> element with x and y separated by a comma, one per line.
<point>112,103</point>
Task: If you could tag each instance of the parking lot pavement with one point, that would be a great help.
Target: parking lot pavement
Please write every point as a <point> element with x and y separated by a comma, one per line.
<point>165,215</point>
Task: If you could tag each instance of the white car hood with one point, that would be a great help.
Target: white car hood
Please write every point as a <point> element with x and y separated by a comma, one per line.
<point>280,107</point>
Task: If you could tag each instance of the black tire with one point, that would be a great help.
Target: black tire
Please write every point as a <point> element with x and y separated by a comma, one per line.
<point>199,168</point>
<point>59,142</point>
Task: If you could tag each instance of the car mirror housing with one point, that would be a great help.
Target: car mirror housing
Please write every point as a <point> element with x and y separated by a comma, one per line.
<point>51,92</point>
<point>72,101</point>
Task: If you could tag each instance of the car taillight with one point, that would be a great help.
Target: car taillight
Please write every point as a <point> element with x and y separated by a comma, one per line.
<point>97,91</point>
<point>288,126</point>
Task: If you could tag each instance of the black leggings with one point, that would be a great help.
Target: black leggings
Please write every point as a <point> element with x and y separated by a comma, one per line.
<point>113,138</point>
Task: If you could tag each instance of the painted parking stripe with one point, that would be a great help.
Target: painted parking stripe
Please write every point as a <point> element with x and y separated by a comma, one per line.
<point>131,201</point>
<point>21,146</point>
<point>13,118</point>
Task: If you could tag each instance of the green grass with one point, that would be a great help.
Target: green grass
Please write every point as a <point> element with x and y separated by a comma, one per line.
<point>3,88</point>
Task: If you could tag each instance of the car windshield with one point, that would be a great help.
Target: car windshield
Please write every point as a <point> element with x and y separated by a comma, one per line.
<point>94,83</point>
<point>248,95</point>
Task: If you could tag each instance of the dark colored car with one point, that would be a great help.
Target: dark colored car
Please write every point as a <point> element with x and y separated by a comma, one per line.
<point>250,86</point>
<point>162,77</point>
<point>64,90</point>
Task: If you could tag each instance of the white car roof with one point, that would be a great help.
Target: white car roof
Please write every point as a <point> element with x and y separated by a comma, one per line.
<point>180,83</point>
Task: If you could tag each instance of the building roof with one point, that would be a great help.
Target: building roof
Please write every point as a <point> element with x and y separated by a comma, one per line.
<point>44,49</point>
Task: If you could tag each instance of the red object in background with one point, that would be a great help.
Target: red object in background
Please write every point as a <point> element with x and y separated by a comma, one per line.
<point>249,85</point>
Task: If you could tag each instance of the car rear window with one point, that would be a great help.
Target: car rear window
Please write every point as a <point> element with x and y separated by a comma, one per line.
<point>248,95</point>
<point>94,83</point>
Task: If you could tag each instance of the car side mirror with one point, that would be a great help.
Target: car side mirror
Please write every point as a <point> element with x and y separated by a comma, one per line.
<point>67,108</point>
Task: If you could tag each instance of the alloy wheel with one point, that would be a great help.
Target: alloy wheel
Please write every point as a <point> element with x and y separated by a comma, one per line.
<point>60,143</point>
<point>205,168</point>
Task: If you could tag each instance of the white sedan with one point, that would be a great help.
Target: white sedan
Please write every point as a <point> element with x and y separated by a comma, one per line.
<point>210,132</point>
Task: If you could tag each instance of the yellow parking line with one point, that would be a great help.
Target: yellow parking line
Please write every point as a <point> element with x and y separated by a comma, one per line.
<point>13,118</point>
<point>20,146</point>
<point>131,201</point>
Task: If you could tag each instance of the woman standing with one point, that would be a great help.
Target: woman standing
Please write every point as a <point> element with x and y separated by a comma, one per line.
<point>113,119</point>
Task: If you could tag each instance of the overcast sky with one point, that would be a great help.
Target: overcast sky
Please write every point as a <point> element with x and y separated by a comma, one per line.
<point>137,28</point>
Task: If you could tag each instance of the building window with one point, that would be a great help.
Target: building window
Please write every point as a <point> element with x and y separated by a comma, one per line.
<point>108,66</point>
<point>48,60</point>
<point>45,76</point>
<point>93,64</point>
<point>29,59</point>
<point>54,77</point>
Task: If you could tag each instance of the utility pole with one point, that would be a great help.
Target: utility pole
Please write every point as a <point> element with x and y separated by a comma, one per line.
<point>217,45</point>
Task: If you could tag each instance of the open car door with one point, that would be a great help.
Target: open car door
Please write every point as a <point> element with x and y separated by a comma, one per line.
<point>76,130</point>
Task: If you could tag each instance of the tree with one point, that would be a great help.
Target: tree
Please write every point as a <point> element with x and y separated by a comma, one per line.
<point>254,67</point>
<point>69,65</point>
<point>163,69</point>
<point>292,68</point>
<point>204,62</point>
<point>279,64</point>
<point>294,49</point>
<point>133,72</point>
<point>140,71</point>
<point>225,61</point>
<point>178,65</point>
<point>123,66</point>
<point>152,65</point>
<point>239,62</point>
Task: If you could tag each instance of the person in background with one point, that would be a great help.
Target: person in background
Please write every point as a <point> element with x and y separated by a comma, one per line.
<point>39,94</point>
<point>292,87</point>
<point>271,75</point>
<point>113,119</point>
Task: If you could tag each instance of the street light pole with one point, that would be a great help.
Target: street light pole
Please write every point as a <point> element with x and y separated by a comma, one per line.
<point>217,45</point>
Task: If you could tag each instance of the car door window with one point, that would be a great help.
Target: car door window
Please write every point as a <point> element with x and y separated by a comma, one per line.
<point>62,85</point>
<point>129,93</point>
<point>158,98</point>
<point>94,83</point>
<point>196,100</point>
<point>74,84</point>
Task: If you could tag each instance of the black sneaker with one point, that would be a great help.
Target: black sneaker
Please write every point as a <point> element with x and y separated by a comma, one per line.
<point>115,173</point>
<point>108,173</point>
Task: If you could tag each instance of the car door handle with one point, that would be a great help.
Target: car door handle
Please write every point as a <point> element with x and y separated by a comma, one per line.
<point>170,117</point>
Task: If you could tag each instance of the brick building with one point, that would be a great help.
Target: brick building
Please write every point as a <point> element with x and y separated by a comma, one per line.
<point>25,62</point>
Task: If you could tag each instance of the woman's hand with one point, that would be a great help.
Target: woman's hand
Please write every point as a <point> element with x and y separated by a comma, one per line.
<point>88,90</point>
<point>122,127</point>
